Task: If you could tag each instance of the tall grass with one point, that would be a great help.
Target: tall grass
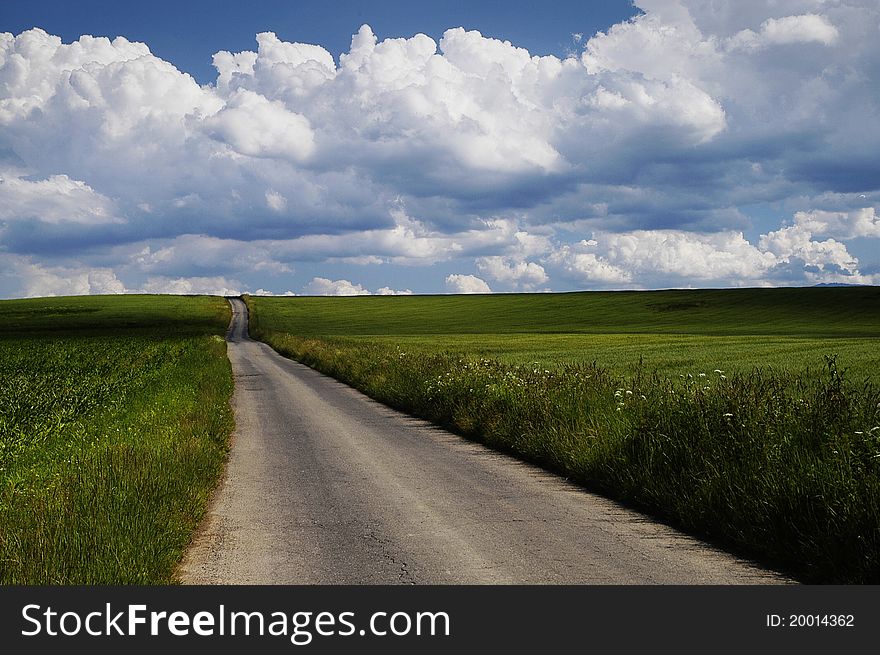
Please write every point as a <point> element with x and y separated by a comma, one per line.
<point>782,466</point>
<point>113,432</point>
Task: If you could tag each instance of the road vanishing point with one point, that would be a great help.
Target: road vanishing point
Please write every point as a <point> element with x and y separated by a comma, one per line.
<point>326,486</point>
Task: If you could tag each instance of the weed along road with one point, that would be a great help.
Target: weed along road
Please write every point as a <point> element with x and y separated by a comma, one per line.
<point>327,486</point>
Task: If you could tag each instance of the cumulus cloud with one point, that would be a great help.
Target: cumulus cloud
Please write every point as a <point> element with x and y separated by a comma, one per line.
<point>388,291</point>
<point>212,286</point>
<point>475,114</point>
<point>56,199</point>
<point>862,222</point>
<point>797,242</point>
<point>266,292</point>
<point>457,283</point>
<point>252,125</point>
<point>519,274</point>
<point>658,139</point>
<point>787,30</point>
<point>321,286</point>
<point>205,256</point>
<point>55,281</point>
<point>695,256</point>
<point>656,258</point>
<point>587,268</point>
<point>39,280</point>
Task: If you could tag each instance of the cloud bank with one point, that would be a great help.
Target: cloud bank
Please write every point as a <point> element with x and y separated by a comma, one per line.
<point>723,143</point>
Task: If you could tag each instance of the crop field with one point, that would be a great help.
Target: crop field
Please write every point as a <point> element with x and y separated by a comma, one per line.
<point>751,417</point>
<point>677,332</point>
<point>114,426</point>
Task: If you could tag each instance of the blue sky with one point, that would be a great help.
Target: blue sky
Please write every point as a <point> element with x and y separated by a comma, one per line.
<point>354,147</point>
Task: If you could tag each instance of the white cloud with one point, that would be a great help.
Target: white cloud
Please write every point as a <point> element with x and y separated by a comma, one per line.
<point>669,46</point>
<point>42,281</point>
<point>457,283</point>
<point>57,199</point>
<point>806,28</point>
<point>473,114</point>
<point>265,292</point>
<point>407,242</point>
<point>657,258</point>
<point>276,201</point>
<point>212,286</point>
<point>796,242</point>
<point>862,222</point>
<point>588,269</point>
<point>78,280</point>
<point>278,70</point>
<point>520,274</point>
<point>252,125</point>
<point>799,29</point>
<point>388,291</point>
<point>687,255</point>
<point>207,256</point>
<point>34,63</point>
<point>321,286</point>
<point>357,260</point>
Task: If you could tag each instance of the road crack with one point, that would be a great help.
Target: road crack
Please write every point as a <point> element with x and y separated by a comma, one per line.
<point>404,575</point>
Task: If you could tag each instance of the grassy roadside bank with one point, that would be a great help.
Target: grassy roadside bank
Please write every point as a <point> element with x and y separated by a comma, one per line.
<point>780,462</point>
<point>114,425</point>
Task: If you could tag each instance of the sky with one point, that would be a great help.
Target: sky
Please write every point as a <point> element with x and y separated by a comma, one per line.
<point>463,147</point>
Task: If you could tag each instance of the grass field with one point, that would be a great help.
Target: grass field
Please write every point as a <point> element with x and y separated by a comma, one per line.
<point>676,332</point>
<point>114,421</point>
<point>749,416</point>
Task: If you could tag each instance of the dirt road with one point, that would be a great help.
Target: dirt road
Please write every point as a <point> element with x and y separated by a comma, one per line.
<point>327,486</point>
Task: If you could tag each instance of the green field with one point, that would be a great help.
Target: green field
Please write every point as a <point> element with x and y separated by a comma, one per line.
<point>114,423</point>
<point>817,311</point>
<point>676,332</point>
<point>749,416</point>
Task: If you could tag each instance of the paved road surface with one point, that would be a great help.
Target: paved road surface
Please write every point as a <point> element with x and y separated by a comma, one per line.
<point>327,486</point>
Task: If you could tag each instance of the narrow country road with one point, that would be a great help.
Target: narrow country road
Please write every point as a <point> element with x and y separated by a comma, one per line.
<point>327,486</point>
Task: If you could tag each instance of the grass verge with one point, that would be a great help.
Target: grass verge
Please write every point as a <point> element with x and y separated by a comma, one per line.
<point>114,426</point>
